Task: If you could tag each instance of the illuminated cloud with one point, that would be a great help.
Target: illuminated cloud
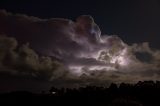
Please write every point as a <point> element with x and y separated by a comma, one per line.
<point>67,51</point>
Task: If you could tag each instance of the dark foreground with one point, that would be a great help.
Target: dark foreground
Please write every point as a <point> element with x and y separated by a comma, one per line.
<point>141,94</point>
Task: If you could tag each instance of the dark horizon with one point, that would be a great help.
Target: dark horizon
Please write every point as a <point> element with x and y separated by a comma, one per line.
<point>143,93</point>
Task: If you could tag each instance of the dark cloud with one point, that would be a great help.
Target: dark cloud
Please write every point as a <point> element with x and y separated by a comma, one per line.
<point>25,61</point>
<point>71,53</point>
<point>144,57</point>
<point>46,34</point>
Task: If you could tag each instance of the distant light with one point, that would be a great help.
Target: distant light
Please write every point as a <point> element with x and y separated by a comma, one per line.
<point>53,93</point>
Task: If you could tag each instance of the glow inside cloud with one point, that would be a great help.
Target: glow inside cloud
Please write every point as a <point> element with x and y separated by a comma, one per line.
<point>78,47</point>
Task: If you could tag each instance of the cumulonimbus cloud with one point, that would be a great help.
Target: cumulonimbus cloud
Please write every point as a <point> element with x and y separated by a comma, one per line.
<point>74,50</point>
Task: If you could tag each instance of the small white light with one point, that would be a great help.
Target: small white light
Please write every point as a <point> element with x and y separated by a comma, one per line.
<point>53,93</point>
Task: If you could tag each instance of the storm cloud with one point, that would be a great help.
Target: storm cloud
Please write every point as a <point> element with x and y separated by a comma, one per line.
<point>65,52</point>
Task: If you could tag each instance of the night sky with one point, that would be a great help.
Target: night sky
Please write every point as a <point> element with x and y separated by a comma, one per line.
<point>74,43</point>
<point>134,21</point>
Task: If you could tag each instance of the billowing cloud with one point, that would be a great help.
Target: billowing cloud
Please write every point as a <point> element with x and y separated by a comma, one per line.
<point>68,52</point>
<point>23,60</point>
